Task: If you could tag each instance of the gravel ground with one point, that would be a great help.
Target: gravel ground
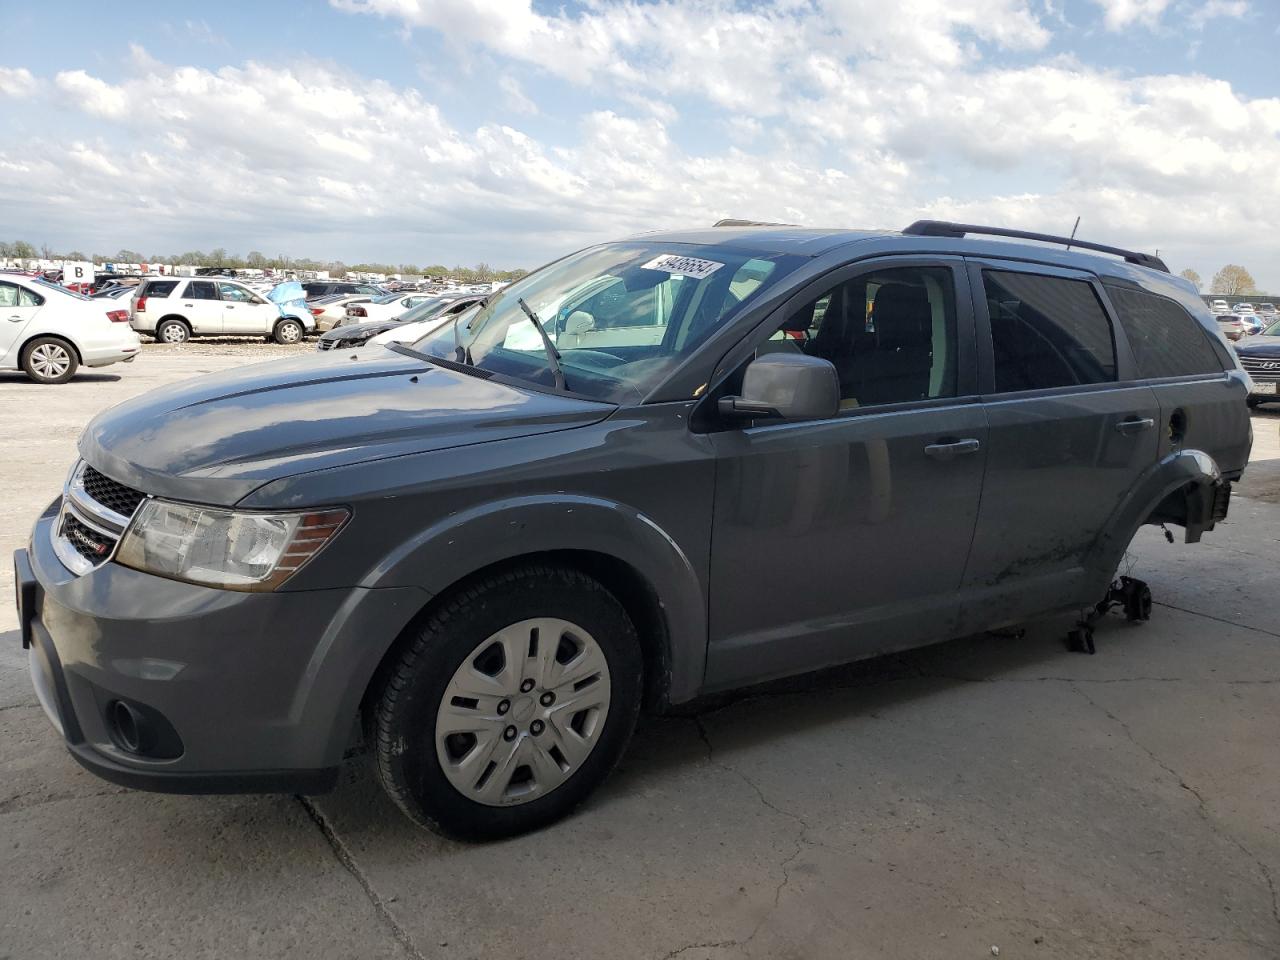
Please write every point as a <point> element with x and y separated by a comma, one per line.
<point>252,347</point>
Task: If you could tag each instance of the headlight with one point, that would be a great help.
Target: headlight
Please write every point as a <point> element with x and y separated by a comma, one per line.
<point>223,548</point>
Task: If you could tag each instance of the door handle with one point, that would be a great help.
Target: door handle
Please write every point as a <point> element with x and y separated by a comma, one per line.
<point>231,306</point>
<point>1134,425</point>
<point>950,449</point>
<point>15,319</point>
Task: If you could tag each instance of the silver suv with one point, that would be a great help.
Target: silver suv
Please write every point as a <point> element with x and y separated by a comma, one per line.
<point>176,309</point>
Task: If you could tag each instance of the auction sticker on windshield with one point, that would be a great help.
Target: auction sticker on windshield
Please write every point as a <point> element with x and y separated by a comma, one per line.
<point>683,266</point>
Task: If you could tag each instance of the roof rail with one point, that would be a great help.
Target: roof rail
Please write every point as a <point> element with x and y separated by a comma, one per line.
<point>944,228</point>
<point>749,223</point>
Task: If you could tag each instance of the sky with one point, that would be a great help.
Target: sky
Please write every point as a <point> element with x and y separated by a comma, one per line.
<point>514,131</point>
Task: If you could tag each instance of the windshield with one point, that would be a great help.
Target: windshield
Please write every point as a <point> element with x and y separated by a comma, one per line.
<point>1273,330</point>
<point>387,298</point>
<point>621,315</point>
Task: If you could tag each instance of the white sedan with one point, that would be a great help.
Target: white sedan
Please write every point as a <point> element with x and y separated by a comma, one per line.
<point>383,308</point>
<point>48,331</point>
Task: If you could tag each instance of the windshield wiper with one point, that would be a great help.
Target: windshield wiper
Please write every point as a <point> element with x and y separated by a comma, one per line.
<point>461,354</point>
<point>553,355</point>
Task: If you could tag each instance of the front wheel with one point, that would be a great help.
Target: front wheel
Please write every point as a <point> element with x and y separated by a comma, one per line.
<point>288,331</point>
<point>49,360</point>
<point>510,705</point>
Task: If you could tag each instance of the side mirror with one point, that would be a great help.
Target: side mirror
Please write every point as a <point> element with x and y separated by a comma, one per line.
<point>790,386</point>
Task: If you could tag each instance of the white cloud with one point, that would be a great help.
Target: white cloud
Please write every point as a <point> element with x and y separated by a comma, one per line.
<point>16,82</point>
<point>516,98</point>
<point>1213,9</point>
<point>1119,14</point>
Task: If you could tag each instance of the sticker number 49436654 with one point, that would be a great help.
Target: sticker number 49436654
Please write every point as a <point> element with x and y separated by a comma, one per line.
<point>684,266</point>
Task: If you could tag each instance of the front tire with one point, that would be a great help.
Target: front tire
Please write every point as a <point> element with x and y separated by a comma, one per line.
<point>49,360</point>
<point>510,705</point>
<point>288,331</point>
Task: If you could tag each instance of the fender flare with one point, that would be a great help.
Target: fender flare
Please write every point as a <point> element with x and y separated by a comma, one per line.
<point>1181,469</point>
<point>459,545</point>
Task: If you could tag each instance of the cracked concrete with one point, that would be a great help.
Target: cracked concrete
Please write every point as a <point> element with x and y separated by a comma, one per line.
<point>990,791</point>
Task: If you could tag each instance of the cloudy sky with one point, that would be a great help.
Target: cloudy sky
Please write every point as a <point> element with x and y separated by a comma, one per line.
<point>513,131</point>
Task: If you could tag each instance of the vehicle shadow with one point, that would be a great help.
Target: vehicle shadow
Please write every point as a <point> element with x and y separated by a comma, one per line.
<point>667,745</point>
<point>23,379</point>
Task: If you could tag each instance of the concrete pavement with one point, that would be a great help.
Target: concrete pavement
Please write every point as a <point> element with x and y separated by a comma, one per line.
<point>985,792</point>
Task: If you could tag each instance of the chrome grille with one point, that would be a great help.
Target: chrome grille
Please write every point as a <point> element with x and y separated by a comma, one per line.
<point>324,344</point>
<point>95,512</point>
<point>1262,368</point>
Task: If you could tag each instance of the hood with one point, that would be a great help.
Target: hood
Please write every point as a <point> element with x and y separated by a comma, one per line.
<point>286,292</point>
<point>1258,346</point>
<point>367,329</point>
<point>215,439</point>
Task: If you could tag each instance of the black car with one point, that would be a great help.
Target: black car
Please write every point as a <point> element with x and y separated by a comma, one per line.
<point>357,334</point>
<point>315,289</point>
<point>1260,357</point>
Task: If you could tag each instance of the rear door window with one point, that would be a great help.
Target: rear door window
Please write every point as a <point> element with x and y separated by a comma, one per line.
<point>1166,340</point>
<point>202,290</point>
<point>1047,332</point>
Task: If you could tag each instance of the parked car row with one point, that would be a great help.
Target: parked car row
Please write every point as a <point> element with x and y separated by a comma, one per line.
<point>414,322</point>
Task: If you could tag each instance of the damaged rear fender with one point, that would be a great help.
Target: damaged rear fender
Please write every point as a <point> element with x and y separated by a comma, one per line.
<point>1185,488</point>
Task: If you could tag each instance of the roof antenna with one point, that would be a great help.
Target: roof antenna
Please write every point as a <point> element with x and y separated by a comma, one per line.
<point>1073,232</point>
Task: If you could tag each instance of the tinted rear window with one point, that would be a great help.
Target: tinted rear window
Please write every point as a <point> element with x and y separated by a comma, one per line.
<point>160,288</point>
<point>1166,340</point>
<point>1047,332</point>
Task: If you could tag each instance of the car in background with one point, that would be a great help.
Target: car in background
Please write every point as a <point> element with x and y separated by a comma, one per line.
<point>1232,325</point>
<point>1260,357</point>
<point>117,292</point>
<point>423,315</point>
<point>1269,312</point>
<point>1219,306</point>
<point>1243,308</point>
<point>383,308</point>
<point>176,309</point>
<point>50,331</point>
<point>331,311</point>
<point>1253,324</point>
<point>315,289</point>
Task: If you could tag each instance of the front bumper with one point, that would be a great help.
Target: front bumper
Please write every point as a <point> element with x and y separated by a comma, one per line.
<point>261,690</point>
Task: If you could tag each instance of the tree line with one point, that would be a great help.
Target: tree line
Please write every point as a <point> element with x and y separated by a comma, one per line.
<point>219,257</point>
<point>1232,280</point>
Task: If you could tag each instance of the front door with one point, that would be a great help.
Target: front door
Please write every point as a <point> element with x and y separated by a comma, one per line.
<point>18,307</point>
<point>1069,438</point>
<point>245,312</point>
<point>843,538</point>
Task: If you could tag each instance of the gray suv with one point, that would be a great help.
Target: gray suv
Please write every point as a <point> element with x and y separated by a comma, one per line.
<point>653,469</point>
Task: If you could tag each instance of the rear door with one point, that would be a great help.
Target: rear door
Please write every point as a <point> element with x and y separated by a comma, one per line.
<point>1200,406</point>
<point>202,307</point>
<point>18,307</point>
<point>841,538</point>
<point>1070,433</point>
